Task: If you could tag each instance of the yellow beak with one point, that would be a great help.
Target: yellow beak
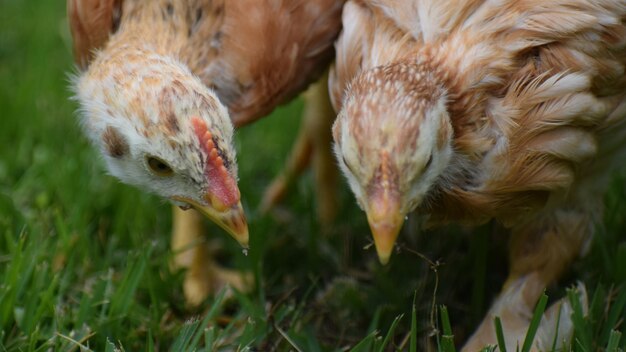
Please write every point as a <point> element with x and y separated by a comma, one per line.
<point>385,220</point>
<point>231,219</point>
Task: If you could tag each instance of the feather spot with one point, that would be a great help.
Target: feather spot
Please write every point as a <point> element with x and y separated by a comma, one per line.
<point>218,10</point>
<point>114,143</point>
<point>171,123</point>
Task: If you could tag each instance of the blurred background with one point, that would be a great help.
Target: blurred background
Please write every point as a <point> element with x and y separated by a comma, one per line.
<point>84,260</point>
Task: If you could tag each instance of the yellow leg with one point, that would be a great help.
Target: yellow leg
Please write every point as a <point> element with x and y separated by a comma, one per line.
<point>540,251</point>
<point>203,276</point>
<point>187,232</point>
<point>313,144</point>
<point>321,117</point>
<point>298,161</point>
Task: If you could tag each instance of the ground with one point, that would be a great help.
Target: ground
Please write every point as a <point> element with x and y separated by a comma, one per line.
<point>84,260</point>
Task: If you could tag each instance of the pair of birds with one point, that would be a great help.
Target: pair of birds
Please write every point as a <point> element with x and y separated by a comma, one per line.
<point>461,110</point>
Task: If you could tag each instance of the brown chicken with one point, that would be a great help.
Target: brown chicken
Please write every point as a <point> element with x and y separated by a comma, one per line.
<point>156,78</point>
<point>467,111</point>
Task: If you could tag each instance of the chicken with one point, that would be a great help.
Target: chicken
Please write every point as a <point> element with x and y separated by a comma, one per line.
<point>163,83</point>
<point>467,111</point>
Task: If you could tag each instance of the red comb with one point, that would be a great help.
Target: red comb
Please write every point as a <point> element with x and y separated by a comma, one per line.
<point>222,186</point>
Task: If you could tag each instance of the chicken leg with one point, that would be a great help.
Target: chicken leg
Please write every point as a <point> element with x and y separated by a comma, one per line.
<point>540,251</point>
<point>191,252</point>
<point>313,145</point>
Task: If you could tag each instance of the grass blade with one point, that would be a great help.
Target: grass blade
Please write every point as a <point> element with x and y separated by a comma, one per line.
<point>394,324</point>
<point>582,330</point>
<point>534,323</point>
<point>288,338</point>
<point>209,338</point>
<point>110,346</point>
<point>614,338</point>
<point>413,339</point>
<point>150,342</point>
<point>185,336</point>
<point>556,328</point>
<point>366,344</point>
<point>597,307</point>
<point>124,295</point>
<point>500,334</point>
<point>447,339</point>
<point>215,308</point>
<point>615,313</point>
<point>373,326</point>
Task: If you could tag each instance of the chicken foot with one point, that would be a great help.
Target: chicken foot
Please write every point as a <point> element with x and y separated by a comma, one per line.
<point>204,276</point>
<point>312,146</point>
<point>540,250</point>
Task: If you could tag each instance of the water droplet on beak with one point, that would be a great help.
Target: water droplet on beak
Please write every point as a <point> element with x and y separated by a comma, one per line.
<point>245,251</point>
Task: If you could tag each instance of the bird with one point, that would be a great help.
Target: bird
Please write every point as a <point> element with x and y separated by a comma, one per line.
<point>468,111</point>
<point>161,85</point>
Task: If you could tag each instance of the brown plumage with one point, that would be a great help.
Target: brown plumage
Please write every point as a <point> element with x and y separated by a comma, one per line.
<point>254,54</point>
<point>163,82</point>
<point>478,110</point>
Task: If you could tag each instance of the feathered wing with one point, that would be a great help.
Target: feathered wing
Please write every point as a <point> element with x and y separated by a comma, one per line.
<point>91,23</point>
<point>352,48</point>
<point>427,20</point>
<point>269,51</point>
<point>534,104</point>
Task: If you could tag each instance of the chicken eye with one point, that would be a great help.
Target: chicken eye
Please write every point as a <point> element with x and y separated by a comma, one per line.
<point>159,167</point>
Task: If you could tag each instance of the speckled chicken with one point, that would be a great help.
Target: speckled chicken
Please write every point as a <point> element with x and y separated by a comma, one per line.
<point>471,110</point>
<point>163,82</point>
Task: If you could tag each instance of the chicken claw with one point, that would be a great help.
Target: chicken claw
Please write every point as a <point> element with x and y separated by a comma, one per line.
<point>515,312</point>
<point>203,277</point>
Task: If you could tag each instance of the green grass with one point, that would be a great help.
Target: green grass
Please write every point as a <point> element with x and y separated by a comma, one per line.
<point>84,260</point>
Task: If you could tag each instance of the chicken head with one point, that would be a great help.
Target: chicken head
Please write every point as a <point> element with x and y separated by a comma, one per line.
<point>159,128</point>
<point>393,141</point>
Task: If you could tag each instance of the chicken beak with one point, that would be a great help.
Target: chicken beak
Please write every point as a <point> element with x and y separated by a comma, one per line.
<point>385,220</point>
<point>232,219</point>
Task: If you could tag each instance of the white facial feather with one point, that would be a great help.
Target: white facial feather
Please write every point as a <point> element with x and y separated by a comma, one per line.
<point>437,154</point>
<point>146,111</point>
<point>402,126</point>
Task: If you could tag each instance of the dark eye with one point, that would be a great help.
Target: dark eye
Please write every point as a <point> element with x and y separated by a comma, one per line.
<point>430,161</point>
<point>159,167</point>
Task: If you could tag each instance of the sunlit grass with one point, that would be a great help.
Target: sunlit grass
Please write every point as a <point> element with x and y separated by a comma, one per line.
<point>84,260</point>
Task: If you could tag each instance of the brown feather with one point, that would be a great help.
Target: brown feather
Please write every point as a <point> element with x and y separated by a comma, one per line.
<point>91,23</point>
<point>254,54</point>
